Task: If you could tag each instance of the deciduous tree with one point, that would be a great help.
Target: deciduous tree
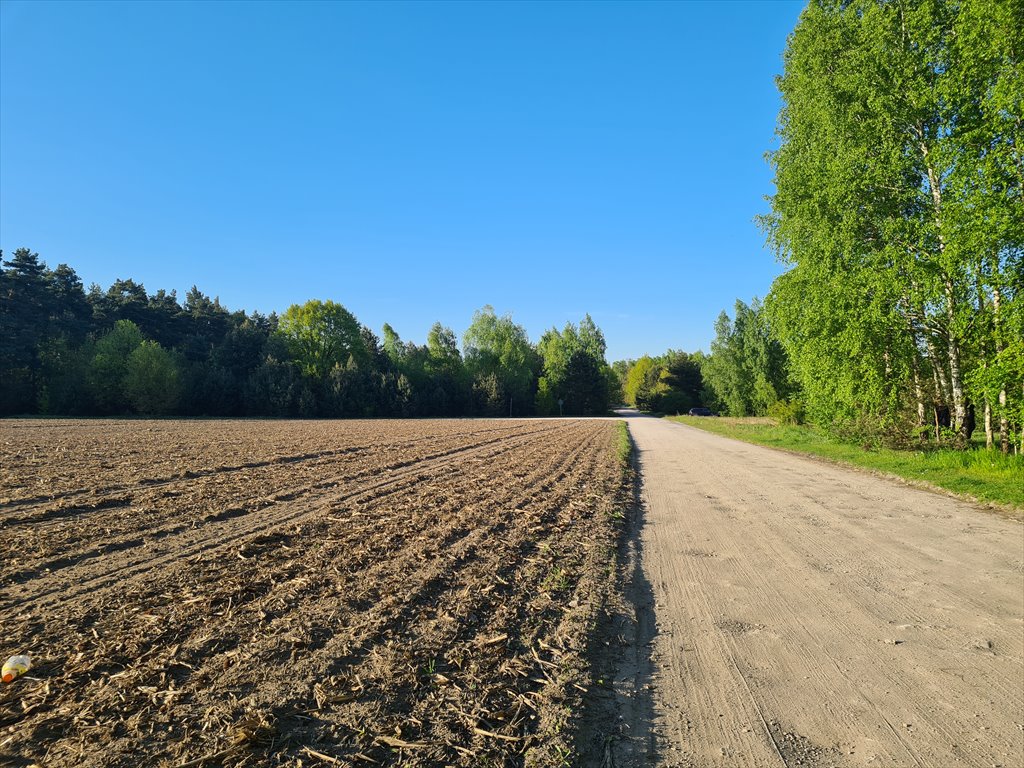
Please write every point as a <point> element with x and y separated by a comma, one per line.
<point>321,335</point>
<point>152,380</point>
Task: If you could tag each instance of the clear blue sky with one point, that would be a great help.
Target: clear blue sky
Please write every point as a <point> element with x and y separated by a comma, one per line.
<point>410,161</point>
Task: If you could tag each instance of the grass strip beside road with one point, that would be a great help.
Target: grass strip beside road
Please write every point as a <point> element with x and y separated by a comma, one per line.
<point>624,445</point>
<point>981,474</point>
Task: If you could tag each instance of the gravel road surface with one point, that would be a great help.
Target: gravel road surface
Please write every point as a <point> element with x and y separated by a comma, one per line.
<point>802,614</point>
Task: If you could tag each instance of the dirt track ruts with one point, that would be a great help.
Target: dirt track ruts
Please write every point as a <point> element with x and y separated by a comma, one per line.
<point>176,541</point>
<point>812,615</point>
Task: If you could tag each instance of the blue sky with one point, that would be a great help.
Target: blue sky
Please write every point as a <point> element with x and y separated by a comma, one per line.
<point>410,161</point>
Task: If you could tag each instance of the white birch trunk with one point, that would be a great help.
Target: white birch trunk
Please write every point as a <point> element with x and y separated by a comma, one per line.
<point>915,370</point>
<point>988,424</point>
<point>956,387</point>
<point>952,351</point>
<point>1004,424</point>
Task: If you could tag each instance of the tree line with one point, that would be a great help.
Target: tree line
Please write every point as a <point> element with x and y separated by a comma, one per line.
<point>746,373</point>
<point>668,383</point>
<point>65,350</point>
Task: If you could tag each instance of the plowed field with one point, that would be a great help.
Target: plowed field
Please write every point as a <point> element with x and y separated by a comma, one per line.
<point>300,593</point>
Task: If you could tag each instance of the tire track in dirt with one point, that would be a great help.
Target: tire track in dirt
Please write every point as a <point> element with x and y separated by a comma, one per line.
<point>471,535</point>
<point>273,493</point>
<point>29,453</point>
<point>869,603</point>
<point>876,602</point>
<point>150,483</point>
<point>216,559</point>
<point>388,614</point>
<point>226,533</point>
<point>465,532</point>
<point>191,476</point>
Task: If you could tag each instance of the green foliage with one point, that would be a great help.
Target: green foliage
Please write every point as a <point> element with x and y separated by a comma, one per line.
<point>361,390</point>
<point>393,346</point>
<point>152,381</point>
<point>501,362</point>
<point>108,369</point>
<point>788,411</point>
<point>443,349</point>
<point>642,383</point>
<point>624,445</point>
<point>584,387</point>
<point>272,389</point>
<point>320,335</point>
<point>747,369</point>
<point>448,379</point>
<point>489,395</point>
<point>36,306</point>
<point>25,309</point>
<point>671,383</point>
<point>621,370</point>
<point>64,388</point>
<point>69,311</point>
<point>899,206</point>
<point>613,386</point>
<point>121,350</point>
<point>681,381</point>
<point>544,402</point>
<point>574,371</point>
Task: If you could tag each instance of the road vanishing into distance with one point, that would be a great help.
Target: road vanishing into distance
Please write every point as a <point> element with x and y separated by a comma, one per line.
<point>795,613</point>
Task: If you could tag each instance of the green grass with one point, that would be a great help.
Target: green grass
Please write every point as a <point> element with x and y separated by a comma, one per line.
<point>982,474</point>
<point>624,445</point>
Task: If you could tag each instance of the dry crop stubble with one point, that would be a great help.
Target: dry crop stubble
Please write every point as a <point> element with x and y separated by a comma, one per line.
<point>358,592</point>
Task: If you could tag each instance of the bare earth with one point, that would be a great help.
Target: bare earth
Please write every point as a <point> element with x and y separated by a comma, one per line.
<point>295,594</point>
<point>805,614</point>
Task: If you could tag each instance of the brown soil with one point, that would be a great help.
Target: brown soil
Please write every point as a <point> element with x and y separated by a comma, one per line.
<point>300,593</point>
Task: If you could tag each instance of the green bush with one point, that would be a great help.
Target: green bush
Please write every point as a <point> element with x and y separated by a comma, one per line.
<point>787,411</point>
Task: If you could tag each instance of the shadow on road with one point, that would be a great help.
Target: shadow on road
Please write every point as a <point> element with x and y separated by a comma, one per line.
<point>618,712</point>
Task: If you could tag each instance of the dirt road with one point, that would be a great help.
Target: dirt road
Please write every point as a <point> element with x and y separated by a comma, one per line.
<point>804,614</point>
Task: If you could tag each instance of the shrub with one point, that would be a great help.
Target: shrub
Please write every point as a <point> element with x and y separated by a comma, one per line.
<point>787,411</point>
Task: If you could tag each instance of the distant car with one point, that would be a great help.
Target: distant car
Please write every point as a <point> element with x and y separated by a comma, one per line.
<point>702,412</point>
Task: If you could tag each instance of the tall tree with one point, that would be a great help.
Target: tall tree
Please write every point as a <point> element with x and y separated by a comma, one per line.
<point>451,388</point>
<point>71,313</point>
<point>682,380</point>
<point>747,368</point>
<point>574,370</point>
<point>501,361</point>
<point>642,385</point>
<point>321,335</point>
<point>152,381</point>
<point>23,313</point>
<point>108,369</point>
<point>393,346</point>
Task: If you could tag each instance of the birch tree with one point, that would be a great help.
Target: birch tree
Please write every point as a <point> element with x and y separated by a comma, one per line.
<point>898,205</point>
